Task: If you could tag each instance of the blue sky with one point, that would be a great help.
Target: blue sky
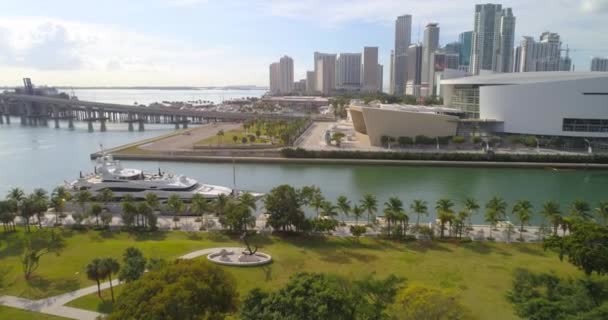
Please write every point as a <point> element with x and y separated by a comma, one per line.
<point>230,42</point>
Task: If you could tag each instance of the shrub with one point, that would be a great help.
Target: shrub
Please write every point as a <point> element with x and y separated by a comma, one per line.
<point>244,140</point>
<point>421,139</point>
<point>358,230</point>
<point>404,141</point>
<point>476,139</point>
<point>458,139</point>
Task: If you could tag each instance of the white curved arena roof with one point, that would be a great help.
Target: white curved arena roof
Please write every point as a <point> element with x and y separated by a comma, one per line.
<point>524,78</point>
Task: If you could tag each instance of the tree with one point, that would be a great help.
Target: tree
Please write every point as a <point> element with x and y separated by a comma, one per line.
<point>328,210</point>
<point>602,211</point>
<point>82,197</point>
<point>41,204</point>
<point>7,217</point>
<point>337,138</point>
<point>96,211</point>
<point>134,265</point>
<point>220,204</point>
<point>471,206</point>
<point>369,203</point>
<point>105,196</point>
<point>244,140</point>
<point>176,206</point>
<point>110,266</point>
<point>357,230</point>
<point>445,214</point>
<point>316,200</point>
<point>27,209</point>
<point>248,200</point>
<point>199,205</point>
<point>523,212</point>
<point>144,212</point>
<point>59,198</point>
<point>586,246</point>
<point>106,219</point>
<point>392,208</point>
<point>551,211</point>
<point>38,244</point>
<point>419,207</point>
<point>152,200</point>
<point>358,213</point>
<point>237,216</point>
<point>495,211</point>
<point>129,211</point>
<point>305,296</point>
<point>343,205</point>
<point>96,271</point>
<point>423,303</point>
<point>580,210</point>
<point>186,289</point>
<point>283,206</point>
<point>219,134</point>
<point>377,295</point>
<point>235,138</point>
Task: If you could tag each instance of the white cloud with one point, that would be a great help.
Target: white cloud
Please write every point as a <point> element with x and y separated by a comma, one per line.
<point>595,6</point>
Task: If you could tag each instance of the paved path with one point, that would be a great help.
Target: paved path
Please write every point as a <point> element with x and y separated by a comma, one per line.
<point>55,305</point>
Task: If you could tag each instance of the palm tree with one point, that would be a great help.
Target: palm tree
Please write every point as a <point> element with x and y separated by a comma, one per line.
<point>96,210</point>
<point>495,211</point>
<point>471,206</point>
<point>602,211</point>
<point>248,200</point>
<point>176,205</point>
<point>579,209</point>
<point>445,213</point>
<point>41,204</point>
<point>143,213</point>
<point>96,270</point>
<point>16,194</point>
<point>7,215</point>
<point>59,197</point>
<point>369,203</point>
<point>328,209</point>
<point>344,206</point>
<point>82,197</point>
<point>105,195</point>
<point>552,213</point>
<point>152,200</point>
<point>419,207</point>
<point>357,212</point>
<point>220,204</point>
<point>523,211</point>
<point>111,267</point>
<point>219,134</point>
<point>316,201</point>
<point>199,205</point>
<point>392,209</point>
<point>129,210</point>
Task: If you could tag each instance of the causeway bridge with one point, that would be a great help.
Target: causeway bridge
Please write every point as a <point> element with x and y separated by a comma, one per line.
<point>36,110</point>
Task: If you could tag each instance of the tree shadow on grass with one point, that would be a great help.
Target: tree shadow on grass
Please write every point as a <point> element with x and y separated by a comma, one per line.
<point>12,245</point>
<point>194,236</point>
<point>479,247</point>
<point>105,306</point>
<point>66,285</point>
<point>424,246</point>
<point>108,234</point>
<point>147,236</point>
<point>39,283</point>
<point>524,248</point>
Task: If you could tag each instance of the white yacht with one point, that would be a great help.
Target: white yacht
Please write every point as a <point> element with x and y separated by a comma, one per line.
<point>109,174</point>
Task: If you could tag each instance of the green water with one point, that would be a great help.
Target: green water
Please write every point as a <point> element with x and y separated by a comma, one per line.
<point>45,157</point>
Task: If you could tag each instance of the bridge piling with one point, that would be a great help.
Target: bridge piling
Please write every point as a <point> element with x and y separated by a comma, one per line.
<point>56,116</point>
<point>102,119</point>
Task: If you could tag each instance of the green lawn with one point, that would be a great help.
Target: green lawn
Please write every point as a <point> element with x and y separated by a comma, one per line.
<point>227,139</point>
<point>480,272</point>
<point>18,314</point>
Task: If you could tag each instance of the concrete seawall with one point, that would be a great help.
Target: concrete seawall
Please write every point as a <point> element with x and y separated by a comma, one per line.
<point>424,163</point>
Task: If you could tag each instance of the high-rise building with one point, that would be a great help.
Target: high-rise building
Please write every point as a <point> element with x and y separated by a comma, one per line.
<point>504,56</point>
<point>325,73</point>
<point>452,47</point>
<point>403,38</point>
<point>465,39</point>
<point>348,71</point>
<point>414,70</point>
<point>275,75</point>
<point>370,70</point>
<point>310,82</point>
<point>493,35</point>
<point>533,56</point>
<point>380,78</point>
<point>299,87</point>
<point>599,64</point>
<point>286,75</point>
<point>391,79</point>
<point>429,46</point>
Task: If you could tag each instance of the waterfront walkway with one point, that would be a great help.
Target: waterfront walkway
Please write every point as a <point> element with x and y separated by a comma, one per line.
<point>56,305</point>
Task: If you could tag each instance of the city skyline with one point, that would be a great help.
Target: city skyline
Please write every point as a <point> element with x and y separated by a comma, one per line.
<point>198,42</point>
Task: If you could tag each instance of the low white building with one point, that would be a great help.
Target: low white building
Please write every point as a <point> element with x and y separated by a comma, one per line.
<point>572,104</point>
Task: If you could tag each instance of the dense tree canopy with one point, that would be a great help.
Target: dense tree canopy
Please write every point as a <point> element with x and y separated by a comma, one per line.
<point>283,205</point>
<point>184,290</point>
<point>422,303</point>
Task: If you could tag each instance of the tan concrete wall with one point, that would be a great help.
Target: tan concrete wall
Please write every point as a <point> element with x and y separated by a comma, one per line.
<point>356,115</point>
<point>380,122</point>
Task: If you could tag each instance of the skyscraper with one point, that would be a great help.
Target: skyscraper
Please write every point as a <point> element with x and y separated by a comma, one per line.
<point>370,70</point>
<point>380,78</point>
<point>391,79</point>
<point>429,46</point>
<point>348,71</point>
<point>533,56</point>
<point>493,35</point>
<point>465,39</point>
<point>599,64</point>
<point>325,73</point>
<point>414,70</point>
<point>504,59</point>
<point>403,38</point>
<point>275,74</point>
<point>310,82</point>
<point>286,75</point>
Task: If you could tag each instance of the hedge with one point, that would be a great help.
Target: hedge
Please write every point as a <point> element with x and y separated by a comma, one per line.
<point>451,156</point>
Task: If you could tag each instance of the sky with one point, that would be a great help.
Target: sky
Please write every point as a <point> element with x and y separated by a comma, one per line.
<point>232,42</point>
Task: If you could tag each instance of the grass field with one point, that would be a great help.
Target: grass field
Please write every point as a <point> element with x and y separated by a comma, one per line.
<point>17,314</point>
<point>227,139</point>
<point>480,272</point>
